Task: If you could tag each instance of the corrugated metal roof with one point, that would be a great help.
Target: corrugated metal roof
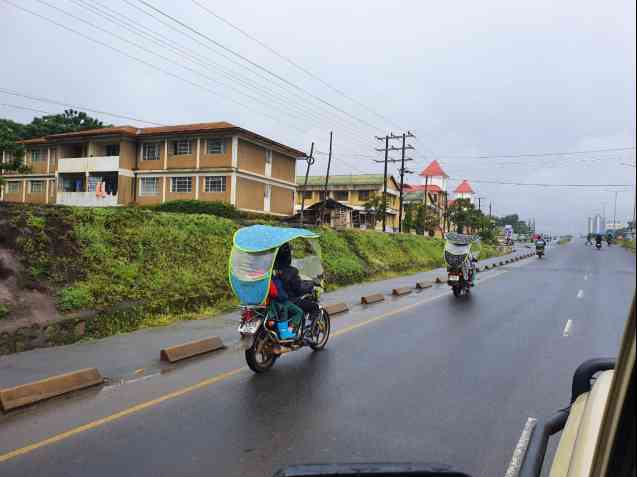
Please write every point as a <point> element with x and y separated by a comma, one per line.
<point>344,180</point>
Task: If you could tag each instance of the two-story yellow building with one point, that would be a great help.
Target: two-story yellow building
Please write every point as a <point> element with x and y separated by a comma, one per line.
<point>354,191</point>
<point>123,165</point>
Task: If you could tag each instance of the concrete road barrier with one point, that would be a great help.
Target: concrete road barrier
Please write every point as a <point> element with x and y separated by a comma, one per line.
<point>441,279</point>
<point>25,394</point>
<point>501,263</point>
<point>423,285</point>
<point>336,308</point>
<point>374,298</point>
<point>190,349</point>
<point>401,291</point>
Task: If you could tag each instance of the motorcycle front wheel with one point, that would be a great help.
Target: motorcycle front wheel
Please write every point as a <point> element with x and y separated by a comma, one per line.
<point>260,357</point>
<point>320,331</point>
<point>457,291</point>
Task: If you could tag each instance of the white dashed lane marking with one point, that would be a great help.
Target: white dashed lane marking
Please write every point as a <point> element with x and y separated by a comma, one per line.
<point>567,328</point>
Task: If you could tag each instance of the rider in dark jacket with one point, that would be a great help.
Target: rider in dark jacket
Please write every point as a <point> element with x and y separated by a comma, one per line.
<point>294,286</point>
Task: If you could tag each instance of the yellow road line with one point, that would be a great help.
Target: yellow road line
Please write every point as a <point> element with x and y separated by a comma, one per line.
<point>189,389</point>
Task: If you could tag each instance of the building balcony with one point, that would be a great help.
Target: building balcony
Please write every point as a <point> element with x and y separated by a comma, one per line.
<point>86,199</point>
<point>89,164</point>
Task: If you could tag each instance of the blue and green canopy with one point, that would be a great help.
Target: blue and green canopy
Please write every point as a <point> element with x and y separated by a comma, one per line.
<point>258,238</point>
<point>252,259</point>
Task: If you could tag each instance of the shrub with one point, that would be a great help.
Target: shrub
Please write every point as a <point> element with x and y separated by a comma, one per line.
<point>4,311</point>
<point>220,209</point>
<point>74,298</point>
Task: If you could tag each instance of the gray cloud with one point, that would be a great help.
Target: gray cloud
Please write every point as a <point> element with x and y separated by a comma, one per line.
<point>468,78</point>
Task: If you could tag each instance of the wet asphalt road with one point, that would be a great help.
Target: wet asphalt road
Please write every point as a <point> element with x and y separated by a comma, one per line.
<point>431,378</point>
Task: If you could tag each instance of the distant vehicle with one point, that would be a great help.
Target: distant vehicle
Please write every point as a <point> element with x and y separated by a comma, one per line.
<point>508,234</point>
<point>460,263</point>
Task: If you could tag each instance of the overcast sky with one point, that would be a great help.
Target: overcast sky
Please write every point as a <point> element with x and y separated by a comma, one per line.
<point>468,78</point>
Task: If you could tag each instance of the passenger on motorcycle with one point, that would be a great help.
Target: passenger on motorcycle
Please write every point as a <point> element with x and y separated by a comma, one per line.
<point>294,287</point>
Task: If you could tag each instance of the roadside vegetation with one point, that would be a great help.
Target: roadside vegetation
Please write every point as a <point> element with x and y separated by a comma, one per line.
<point>155,267</point>
<point>628,244</point>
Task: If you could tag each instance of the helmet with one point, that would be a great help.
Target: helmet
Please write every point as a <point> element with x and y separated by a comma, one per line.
<point>283,257</point>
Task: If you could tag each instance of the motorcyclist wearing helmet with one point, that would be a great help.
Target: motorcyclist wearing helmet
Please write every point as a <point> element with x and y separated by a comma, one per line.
<point>291,280</point>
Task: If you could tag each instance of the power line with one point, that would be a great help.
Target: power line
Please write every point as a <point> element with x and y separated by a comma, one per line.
<point>105,113</point>
<point>165,58</point>
<point>537,154</point>
<point>72,106</point>
<point>125,22</point>
<point>229,58</point>
<point>292,62</point>
<point>257,65</point>
<point>144,62</point>
<point>529,184</point>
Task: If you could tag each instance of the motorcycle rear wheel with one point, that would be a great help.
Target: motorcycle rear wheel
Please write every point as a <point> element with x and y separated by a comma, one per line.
<point>457,291</point>
<point>260,356</point>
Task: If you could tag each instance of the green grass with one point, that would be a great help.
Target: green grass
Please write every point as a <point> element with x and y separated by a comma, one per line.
<point>628,244</point>
<point>173,266</point>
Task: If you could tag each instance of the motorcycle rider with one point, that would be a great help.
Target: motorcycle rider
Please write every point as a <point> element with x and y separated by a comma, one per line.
<point>291,281</point>
<point>540,243</point>
<point>598,240</point>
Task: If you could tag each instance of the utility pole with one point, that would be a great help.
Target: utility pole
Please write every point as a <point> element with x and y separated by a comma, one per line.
<point>490,205</point>
<point>310,162</point>
<point>615,212</point>
<point>327,177</point>
<point>387,160</point>
<point>403,171</point>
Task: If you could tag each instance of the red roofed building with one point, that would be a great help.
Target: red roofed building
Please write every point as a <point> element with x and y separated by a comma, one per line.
<point>464,191</point>
<point>432,192</point>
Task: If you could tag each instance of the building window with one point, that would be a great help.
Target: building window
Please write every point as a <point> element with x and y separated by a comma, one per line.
<point>341,195</point>
<point>183,147</point>
<point>36,155</point>
<point>112,149</point>
<point>36,186</point>
<point>150,152</point>
<point>149,186</point>
<point>321,196</point>
<point>307,194</point>
<point>363,195</point>
<point>215,146</point>
<point>181,184</point>
<point>13,187</point>
<point>215,184</point>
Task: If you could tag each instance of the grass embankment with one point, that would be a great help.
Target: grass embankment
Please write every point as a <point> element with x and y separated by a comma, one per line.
<point>628,244</point>
<point>171,266</point>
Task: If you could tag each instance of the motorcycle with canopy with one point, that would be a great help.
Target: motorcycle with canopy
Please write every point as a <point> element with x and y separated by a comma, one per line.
<point>265,328</point>
<point>460,260</point>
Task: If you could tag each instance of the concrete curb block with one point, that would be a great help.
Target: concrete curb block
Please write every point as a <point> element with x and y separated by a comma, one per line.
<point>336,308</point>
<point>25,394</point>
<point>401,291</point>
<point>501,263</point>
<point>423,285</point>
<point>190,349</point>
<point>374,298</point>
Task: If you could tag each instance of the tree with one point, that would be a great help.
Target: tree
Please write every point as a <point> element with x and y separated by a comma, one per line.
<point>10,132</point>
<point>69,121</point>
<point>426,220</point>
<point>376,206</point>
<point>463,214</point>
<point>408,221</point>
